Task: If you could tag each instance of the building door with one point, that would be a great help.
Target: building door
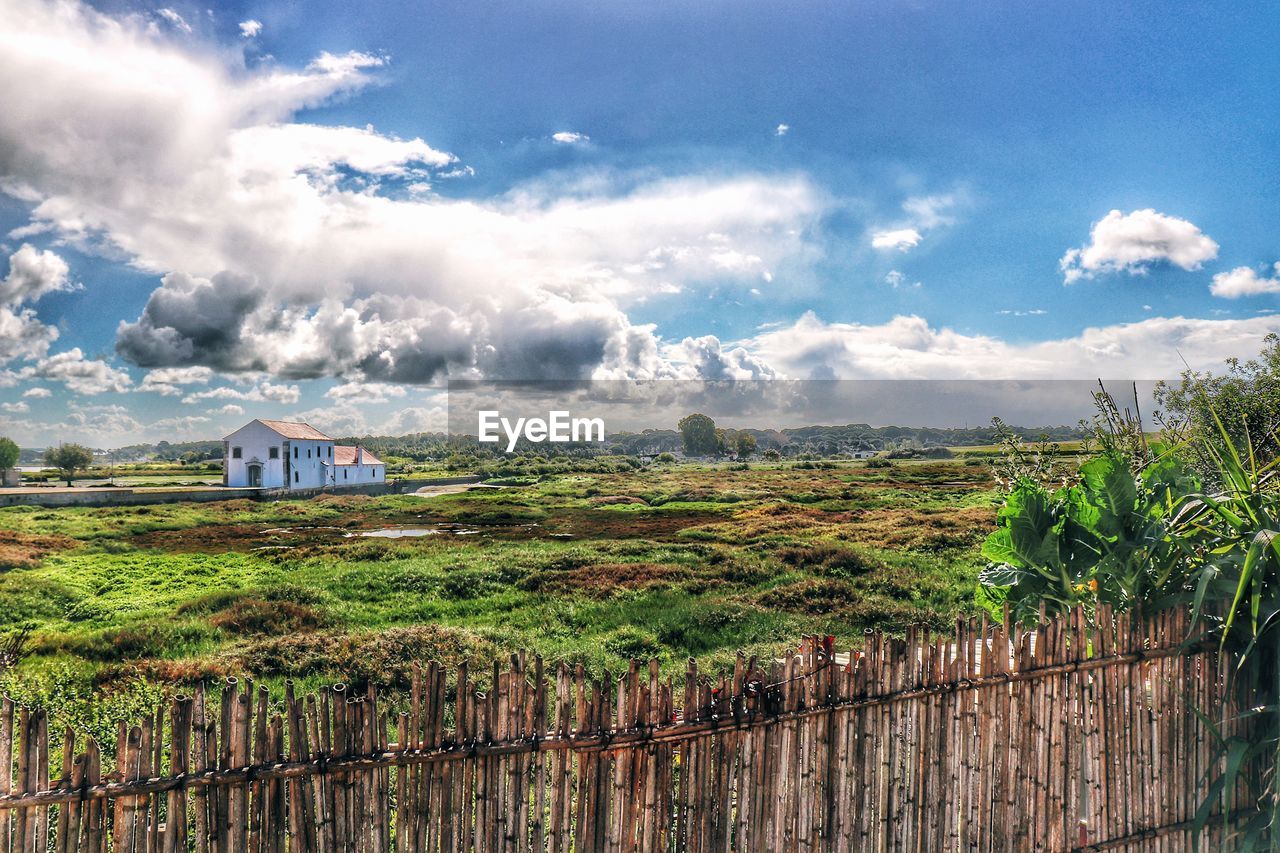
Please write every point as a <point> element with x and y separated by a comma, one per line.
<point>255,476</point>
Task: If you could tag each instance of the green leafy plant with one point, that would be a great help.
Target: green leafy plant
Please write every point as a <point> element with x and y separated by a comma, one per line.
<point>1105,539</point>
<point>1236,600</point>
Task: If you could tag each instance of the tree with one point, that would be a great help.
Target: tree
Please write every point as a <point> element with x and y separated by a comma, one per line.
<point>698,432</point>
<point>1245,399</point>
<point>745,444</point>
<point>8,454</point>
<point>68,459</point>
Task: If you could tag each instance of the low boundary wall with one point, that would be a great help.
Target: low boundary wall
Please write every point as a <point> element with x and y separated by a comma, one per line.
<point>53,497</point>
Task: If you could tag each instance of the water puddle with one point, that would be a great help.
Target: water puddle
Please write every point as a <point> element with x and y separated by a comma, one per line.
<point>398,532</point>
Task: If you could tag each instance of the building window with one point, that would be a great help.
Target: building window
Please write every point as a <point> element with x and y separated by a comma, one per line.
<point>295,453</point>
<point>273,453</point>
<point>295,476</point>
<point>344,473</point>
<point>308,452</point>
<point>331,451</point>
<point>235,453</point>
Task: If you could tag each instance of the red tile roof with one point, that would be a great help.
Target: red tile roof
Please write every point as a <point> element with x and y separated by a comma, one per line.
<point>290,429</point>
<point>344,455</point>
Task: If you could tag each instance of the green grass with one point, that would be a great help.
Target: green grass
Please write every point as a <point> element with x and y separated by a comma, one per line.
<point>670,562</point>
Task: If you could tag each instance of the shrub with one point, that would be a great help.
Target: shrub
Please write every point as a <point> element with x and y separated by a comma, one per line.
<point>259,616</point>
<point>631,643</point>
<point>827,558</point>
<point>464,584</point>
<point>813,596</point>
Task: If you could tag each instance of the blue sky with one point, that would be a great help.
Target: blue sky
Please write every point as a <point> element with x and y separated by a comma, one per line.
<point>616,190</point>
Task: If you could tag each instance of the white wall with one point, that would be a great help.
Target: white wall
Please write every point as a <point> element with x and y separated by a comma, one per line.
<point>300,463</point>
<point>255,442</point>
<point>309,463</point>
<point>355,475</point>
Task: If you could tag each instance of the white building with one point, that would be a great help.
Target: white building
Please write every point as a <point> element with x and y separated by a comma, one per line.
<point>282,454</point>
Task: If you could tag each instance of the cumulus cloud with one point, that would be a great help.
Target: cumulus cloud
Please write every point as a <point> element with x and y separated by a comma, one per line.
<point>264,392</point>
<point>348,417</point>
<point>228,409</point>
<point>707,358</point>
<point>167,380</point>
<point>79,374</point>
<point>32,274</point>
<point>781,130</point>
<point>1134,242</point>
<point>294,249</point>
<point>37,393</point>
<point>902,239</point>
<point>17,408</point>
<point>365,392</point>
<point>1244,281</point>
<point>250,28</point>
<point>569,137</point>
<point>182,424</point>
<point>908,347</point>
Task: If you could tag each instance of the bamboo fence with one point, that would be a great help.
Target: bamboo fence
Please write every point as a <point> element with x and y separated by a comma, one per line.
<point>1073,736</point>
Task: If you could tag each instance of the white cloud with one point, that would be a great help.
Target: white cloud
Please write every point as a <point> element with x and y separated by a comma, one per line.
<point>183,424</point>
<point>707,358</point>
<point>902,239</point>
<point>250,28</point>
<point>1134,242</point>
<point>175,20</point>
<point>167,380</point>
<point>79,374</point>
<point>365,392</point>
<point>908,347</point>
<point>781,130</point>
<point>346,417</point>
<point>17,408</point>
<point>898,280</point>
<point>1031,312</point>
<point>32,274</point>
<point>923,214</point>
<point>933,211</point>
<point>37,393</point>
<point>228,409</point>
<point>417,419</point>
<point>569,137</point>
<point>264,392</point>
<point>281,252</point>
<point>1244,281</point>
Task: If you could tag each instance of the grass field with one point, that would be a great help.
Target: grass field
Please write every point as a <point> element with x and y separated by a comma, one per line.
<point>669,562</point>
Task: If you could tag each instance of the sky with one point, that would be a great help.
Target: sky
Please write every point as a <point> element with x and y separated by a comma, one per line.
<point>325,211</point>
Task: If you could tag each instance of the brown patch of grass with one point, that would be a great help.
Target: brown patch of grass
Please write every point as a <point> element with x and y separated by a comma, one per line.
<point>611,500</point>
<point>615,524</point>
<point>25,551</point>
<point>813,596</point>
<point>600,579</point>
<point>927,530</point>
<point>827,558</point>
<point>177,672</point>
<point>257,616</point>
<point>384,658</point>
